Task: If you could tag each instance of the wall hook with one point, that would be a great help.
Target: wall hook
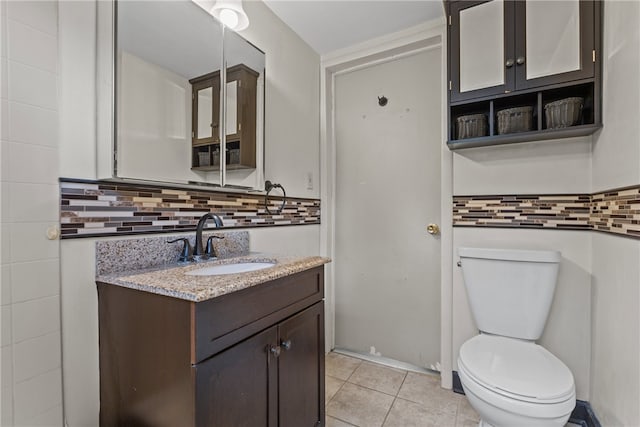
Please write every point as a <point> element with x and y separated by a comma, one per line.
<point>382,100</point>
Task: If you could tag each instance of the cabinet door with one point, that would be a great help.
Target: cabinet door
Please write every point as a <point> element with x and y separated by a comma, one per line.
<point>481,46</point>
<point>206,112</point>
<point>238,387</point>
<point>555,42</point>
<point>301,369</point>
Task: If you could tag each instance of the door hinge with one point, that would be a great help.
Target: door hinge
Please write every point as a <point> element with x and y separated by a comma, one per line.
<point>450,85</point>
<point>594,55</point>
<point>449,19</point>
<point>239,126</point>
<point>193,134</point>
<point>193,95</point>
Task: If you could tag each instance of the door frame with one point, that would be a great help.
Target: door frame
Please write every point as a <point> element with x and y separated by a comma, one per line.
<point>425,36</point>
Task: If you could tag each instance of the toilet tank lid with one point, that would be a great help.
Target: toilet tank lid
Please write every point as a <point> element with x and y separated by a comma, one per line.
<point>527,255</point>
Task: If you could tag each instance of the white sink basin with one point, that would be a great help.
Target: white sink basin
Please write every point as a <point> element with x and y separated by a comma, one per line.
<point>241,267</point>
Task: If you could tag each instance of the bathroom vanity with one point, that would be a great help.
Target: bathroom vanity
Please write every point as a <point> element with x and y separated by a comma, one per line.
<point>243,349</point>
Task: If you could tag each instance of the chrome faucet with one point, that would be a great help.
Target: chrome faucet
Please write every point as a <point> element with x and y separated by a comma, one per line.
<point>199,252</point>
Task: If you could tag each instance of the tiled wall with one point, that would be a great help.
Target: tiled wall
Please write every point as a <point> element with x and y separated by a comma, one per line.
<point>615,211</point>
<point>108,208</point>
<point>31,355</point>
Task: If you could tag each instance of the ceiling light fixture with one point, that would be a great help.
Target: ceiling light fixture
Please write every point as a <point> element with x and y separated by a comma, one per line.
<point>231,14</point>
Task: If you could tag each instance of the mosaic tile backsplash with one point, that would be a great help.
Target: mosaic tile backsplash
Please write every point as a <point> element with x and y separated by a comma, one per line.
<point>90,209</point>
<point>616,211</point>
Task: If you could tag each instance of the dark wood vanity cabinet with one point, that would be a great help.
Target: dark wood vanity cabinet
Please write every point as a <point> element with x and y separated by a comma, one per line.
<point>271,379</point>
<point>251,358</point>
<point>517,53</point>
<point>241,121</point>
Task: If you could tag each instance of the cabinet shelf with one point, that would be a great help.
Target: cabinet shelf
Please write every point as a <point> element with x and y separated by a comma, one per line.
<point>538,135</point>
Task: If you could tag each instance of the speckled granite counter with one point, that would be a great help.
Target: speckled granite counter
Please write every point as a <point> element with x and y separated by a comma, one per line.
<point>172,280</point>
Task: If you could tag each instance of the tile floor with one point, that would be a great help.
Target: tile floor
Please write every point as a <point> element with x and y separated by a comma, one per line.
<point>365,394</point>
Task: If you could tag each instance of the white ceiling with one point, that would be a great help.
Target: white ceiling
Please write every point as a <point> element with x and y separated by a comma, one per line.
<point>328,25</point>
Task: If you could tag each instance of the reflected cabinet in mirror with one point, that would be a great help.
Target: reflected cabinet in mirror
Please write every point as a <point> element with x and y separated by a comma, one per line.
<point>189,97</point>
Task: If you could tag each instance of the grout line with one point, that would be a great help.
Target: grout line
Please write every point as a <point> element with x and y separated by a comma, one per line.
<point>406,374</point>
<point>388,412</point>
<point>340,419</point>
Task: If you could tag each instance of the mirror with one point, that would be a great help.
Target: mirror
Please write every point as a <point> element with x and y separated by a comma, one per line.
<point>176,121</point>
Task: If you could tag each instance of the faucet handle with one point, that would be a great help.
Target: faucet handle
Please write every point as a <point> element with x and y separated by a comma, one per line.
<point>210,251</point>
<point>187,251</point>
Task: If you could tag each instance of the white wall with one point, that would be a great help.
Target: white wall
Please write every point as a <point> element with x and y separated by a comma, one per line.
<point>292,99</point>
<point>615,367</point>
<point>154,122</point>
<point>616,149</point>
<point>557,166</point>
<point>30,297</point>
<point>291,137</point>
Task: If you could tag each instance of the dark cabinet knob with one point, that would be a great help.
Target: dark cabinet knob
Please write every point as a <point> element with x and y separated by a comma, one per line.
<point>286,344</point>
<point>520,60</point>
<point>509,63</point>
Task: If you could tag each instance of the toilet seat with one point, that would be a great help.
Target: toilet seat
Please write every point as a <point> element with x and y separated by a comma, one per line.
<point>515,369</point>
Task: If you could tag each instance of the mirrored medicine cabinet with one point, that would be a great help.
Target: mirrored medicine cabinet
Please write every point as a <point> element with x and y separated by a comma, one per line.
<point>185,97</point>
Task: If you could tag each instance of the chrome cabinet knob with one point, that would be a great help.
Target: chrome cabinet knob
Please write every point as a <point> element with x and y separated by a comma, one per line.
<point>275,350</point>
<point>520,60</point>
<point>509,63</point>
<point>286,344</point>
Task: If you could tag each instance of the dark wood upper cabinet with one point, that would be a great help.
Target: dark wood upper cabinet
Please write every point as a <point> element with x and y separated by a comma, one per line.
<point>510,53</point>
<point>241,119</point>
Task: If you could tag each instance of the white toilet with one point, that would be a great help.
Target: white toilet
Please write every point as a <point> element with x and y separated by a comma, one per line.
<point>508,378</point>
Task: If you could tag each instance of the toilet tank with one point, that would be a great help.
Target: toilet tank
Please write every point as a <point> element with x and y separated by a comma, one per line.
<point>510,291</point>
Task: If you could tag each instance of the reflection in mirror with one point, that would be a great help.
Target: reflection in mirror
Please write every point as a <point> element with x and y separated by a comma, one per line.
<point>205,113</point>
<point>244,106</point>
<point>168,96</point>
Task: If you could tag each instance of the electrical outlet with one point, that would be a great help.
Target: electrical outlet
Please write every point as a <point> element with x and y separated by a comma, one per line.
<point>309,181</point>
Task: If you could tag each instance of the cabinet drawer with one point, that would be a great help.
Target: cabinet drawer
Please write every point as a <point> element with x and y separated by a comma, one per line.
<point>223,321</point>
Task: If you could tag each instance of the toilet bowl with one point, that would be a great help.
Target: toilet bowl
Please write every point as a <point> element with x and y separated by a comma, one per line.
<point>515,383</point>
<point>509,379</point>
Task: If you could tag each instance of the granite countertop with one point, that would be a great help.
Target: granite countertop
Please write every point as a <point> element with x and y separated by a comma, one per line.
<point>172,281</point>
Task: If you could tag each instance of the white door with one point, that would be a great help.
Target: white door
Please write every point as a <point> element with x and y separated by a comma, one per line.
<point>387,267</point>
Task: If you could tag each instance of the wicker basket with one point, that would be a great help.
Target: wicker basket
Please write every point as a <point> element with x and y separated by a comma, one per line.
<point>512,120</point>
<point>564,112</point>
<point>471,126</point>
<point>204,159</point>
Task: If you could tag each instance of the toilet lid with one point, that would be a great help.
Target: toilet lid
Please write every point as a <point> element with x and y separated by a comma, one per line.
<point>520,368</point>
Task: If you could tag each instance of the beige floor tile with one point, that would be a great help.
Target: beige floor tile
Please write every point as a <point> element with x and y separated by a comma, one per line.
<point>409,414</point>
<point>360,406</point>
<point>425,389</point>
<point>466,410</point>
<point>462,421</point>
<point>331,386</point>
<point>340,366</point>
<point>334,422</point>
<point>378,377</point>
